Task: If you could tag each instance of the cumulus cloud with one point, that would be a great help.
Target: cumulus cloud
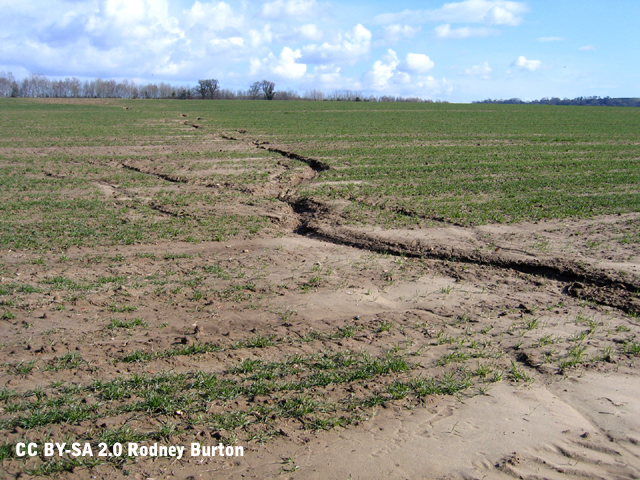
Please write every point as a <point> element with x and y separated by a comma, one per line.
<point>525,64</point>
<point>328,76</point>
<point>391,74</point>
<point>492,12</point>
<point>236,42</point>
<point>287,67</point>
<point>445,31</point>
<point>383,71</point>
<point>483,71</point>
<point>102,37</point>
<point>550,39</point>
<point>416,63</point>
<point>284,66</point>
<point>347,48</point>
<point>117,21</point>
<point>132,38</point>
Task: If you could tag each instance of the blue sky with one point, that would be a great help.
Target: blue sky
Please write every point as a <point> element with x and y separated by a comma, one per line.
<point>456,51</point>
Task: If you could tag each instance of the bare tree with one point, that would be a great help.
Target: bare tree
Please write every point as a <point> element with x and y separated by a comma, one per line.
<point>227,94</point>
<point>36,85</point>
<point>344,95</point>
<point>254,90</point>
<point>8,85</point>
<point>208,88</point>
<point>315,95</point>
<point>269,89</point>
<point>288,95</point>
<point>166,90</point>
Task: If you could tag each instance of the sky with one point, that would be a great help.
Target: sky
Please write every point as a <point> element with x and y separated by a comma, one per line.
<point>457,51</point>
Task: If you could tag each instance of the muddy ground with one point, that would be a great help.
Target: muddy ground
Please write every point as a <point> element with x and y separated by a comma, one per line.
<point>326,350</point>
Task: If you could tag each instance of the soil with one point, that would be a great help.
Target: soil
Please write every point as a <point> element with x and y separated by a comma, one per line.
<point>552,307</point>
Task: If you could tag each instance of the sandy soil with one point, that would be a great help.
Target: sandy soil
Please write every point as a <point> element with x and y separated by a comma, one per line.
<point>548,311</point>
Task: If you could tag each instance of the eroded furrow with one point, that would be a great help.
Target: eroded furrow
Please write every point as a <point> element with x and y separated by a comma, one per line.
<point>583,280</point>
<point>316,165</point>
<point>318,219</point>
<point>609,288</point>
<point>168,178</point>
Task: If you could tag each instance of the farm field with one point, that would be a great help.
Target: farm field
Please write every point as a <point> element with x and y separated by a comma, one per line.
<point>341,288</point>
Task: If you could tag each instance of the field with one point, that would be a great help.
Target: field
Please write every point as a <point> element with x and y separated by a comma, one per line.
<point>344,289</point>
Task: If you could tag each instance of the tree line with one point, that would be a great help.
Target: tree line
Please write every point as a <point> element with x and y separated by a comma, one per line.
<point>588,101</point>
<point>39,86</point>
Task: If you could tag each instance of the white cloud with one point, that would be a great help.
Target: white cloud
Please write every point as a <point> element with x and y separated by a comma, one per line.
<point>284,34</point>
<point>382,71</point>
<point>171,69</point>
<point>417,63</point>
<point>284,66</point>
<point>392,34</point>
<point>524,64</point>
<point>347,48</point>
<point>287,66</point>
<point>289,8</point>
<point>550,39</point>
<point>258,38</point>
<point>483,71</point>
<point>226,46</point>
<point>125,11</point>
<point>116,21</point>
<point>391,76</point>
<point>233,41</point>
<point>445,31</point>
<point>132,38</point>
<point>587,48</point>
<point>499,15</point>
<point>212,16</point>
<point>493,12</point>
<point>328,76</point>
<point>255,65</point>
<point>311,32</point>
<point>430,86</point>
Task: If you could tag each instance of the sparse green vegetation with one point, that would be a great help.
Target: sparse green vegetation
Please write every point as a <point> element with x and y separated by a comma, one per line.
<point>127,324</point>
<point>517,373</point>
<point>68,361</point>
<point>632,348</point>
<point>22,368</point>
<point>121,308</point>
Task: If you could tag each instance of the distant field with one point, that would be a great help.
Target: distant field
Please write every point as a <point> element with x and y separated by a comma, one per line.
<point>469,164</point>
<point>389,164</point>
